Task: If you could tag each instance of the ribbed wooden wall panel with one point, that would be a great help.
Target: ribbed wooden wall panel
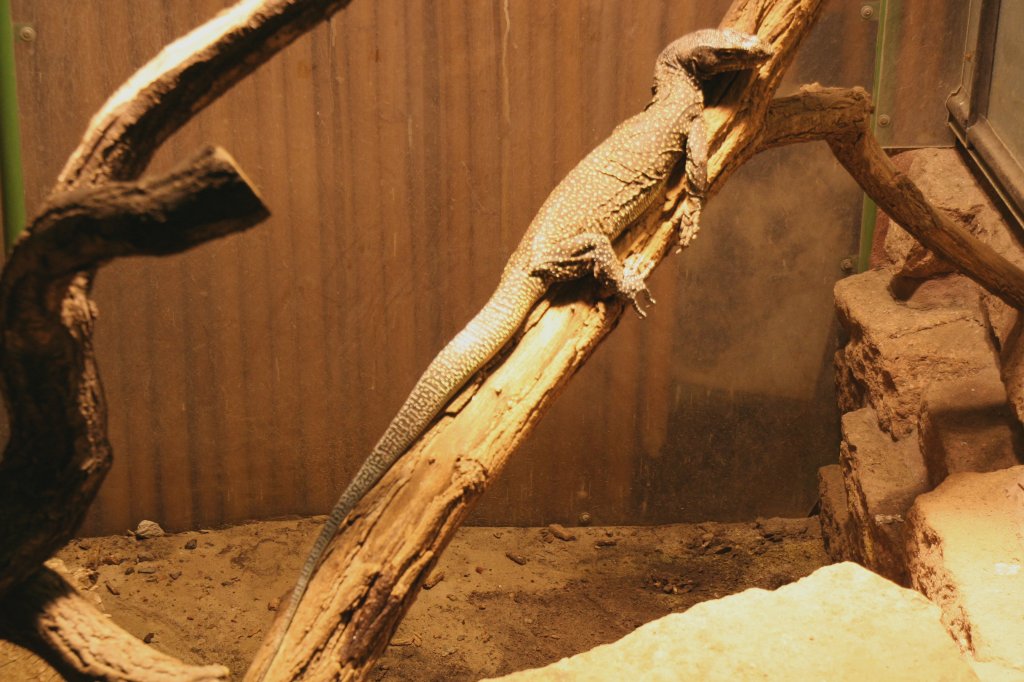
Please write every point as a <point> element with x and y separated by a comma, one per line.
<point>403,148</point>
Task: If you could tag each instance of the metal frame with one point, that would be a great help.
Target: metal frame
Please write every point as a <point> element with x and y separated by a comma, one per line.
<point>968,111</point>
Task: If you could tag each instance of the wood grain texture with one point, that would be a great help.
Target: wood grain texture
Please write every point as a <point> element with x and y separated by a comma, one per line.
<point>403,149</point>
<point>50,617</point>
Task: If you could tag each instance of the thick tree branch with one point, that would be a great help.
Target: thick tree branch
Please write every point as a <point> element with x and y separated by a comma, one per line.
<point>58,449</point>
<point>206,198</point>
<point>52,619</point>
<point>898,196</point>
<point>374,568</point>
<point>58,453</point>
<point>816,113</point>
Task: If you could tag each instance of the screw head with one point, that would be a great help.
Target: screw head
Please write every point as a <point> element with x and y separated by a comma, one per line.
<point>867,12</point>
<point>585,518</point>
<point>884,120</point>
<point>26,34</point>
<point>846,265</point>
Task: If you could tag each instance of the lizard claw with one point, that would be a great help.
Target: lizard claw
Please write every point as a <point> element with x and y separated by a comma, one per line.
<point>633,286</point>
<point>635,301</point>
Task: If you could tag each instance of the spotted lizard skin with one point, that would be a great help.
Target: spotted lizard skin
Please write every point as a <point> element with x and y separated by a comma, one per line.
<point>570,237</point>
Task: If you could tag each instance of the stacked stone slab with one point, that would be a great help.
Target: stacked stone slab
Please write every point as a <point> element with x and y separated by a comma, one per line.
<point>882,477</point>
<point>967,555</point>
<point>931,383</point>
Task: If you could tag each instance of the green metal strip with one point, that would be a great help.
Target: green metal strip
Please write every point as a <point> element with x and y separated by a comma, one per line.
<point>869,212</point>
<point>12,186</point>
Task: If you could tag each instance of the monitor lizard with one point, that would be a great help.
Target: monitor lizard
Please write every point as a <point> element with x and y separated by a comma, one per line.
<point>570,237</point>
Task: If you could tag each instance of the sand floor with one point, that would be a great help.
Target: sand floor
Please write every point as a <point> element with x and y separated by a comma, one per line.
<point>504,599</point>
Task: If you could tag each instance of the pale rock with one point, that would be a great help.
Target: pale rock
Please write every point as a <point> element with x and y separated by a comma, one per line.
<point>966,553</point>
<point>837,532</point>
<point>842,623</point>
<point>967,425</point>
<point>882,479</point>
<point>896,348</point>
<point>148,529</point>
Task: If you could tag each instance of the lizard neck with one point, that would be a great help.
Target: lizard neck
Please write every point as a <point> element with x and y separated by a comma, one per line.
<point>673,86</point>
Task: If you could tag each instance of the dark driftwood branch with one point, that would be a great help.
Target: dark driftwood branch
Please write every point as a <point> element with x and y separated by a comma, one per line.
<point>841,117</point>
<point>204,199</point>
<point>58,450</point>
<point>58,454</point>
<point>52,619</point>
<point>374,568</point>
<point>178,83</point>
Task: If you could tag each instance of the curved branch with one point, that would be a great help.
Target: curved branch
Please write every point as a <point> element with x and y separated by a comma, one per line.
<point>50,617</point>
<point>816,113</point>
<point>58,451</point>
<point>205,198</point>
<point>181,80</point>
<point>841,117</point>
<point>898,196</point>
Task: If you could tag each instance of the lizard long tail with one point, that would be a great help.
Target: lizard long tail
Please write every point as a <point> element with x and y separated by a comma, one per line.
<point>486,334</point>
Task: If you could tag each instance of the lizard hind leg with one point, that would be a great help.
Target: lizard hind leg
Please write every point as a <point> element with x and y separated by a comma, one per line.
<point>591,253</point>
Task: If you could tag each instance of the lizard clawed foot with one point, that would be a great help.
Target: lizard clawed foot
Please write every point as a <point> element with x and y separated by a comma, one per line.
<point>635,302</point>
<point>632,286</point>
<point>686,221</point>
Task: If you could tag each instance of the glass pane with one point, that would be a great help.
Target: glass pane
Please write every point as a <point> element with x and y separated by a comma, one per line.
<point>1006,97</point>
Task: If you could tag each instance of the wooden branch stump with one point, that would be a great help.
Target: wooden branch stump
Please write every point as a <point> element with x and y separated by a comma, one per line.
<point>58,452</point>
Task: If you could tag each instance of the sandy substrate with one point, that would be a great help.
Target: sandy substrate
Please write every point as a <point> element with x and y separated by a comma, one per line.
<point>502,599</point>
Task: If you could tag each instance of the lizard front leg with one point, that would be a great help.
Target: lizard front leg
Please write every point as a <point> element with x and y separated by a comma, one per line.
<point>591,253</point>
<point>686,217</point>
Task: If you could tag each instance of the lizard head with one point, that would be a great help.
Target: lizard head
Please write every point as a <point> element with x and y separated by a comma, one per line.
<point>707,52</point>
